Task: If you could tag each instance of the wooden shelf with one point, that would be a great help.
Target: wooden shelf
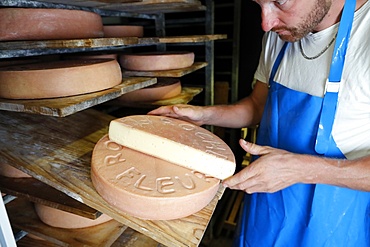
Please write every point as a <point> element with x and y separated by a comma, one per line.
<point>57,151</point>
<point>61,107</point>
<point>10,49</point>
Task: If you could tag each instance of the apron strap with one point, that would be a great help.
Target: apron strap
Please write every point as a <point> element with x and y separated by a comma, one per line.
<point>332,85</point>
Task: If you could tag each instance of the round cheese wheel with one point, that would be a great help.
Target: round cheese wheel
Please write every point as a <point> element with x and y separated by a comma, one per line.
<point>58,78</point>
<point>156,61</point>
<point>12,172</point>
<point>59,218</point>
<point>165,88</point>
<point>117,31</point>
<point>46,24</point>
<point>147,187</point>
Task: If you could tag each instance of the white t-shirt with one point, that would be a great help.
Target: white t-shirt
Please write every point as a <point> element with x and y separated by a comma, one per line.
<point>351,129</point>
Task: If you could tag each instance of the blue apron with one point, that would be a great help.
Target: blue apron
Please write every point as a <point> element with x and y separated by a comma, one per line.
<point>309,215</point>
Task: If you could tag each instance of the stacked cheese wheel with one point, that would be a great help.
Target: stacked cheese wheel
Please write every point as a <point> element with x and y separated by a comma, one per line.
<point>59,218</point>
<point>58,78</point>
<point>159,168</point>
<point>46,24</point>
<point>157,61</point>
<point>165,88</point>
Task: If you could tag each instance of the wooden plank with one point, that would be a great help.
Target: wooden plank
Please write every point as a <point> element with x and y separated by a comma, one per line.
<point>181,39</point>
<point>42,47</point>
<point>166,73</point>
<point>61,107</point>
<point>22,215</point>
<point>39,192</point>
<point>57,151</point>
<point>72,43</point>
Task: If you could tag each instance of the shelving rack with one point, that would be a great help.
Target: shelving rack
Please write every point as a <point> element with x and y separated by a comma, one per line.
<point>52,139</point>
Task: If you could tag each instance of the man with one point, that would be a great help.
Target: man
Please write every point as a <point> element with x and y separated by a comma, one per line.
<point>310,183</point>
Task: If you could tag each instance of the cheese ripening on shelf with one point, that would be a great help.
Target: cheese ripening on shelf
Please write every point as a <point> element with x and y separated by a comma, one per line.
<point>175,141</point>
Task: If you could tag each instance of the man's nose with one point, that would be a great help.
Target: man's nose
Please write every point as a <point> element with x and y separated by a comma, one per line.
<point>269,19</point>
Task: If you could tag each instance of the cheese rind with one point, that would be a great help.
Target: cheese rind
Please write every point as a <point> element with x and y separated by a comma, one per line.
<point>58,78</point>
<point>59,218</point>
<point>175,141</point>
<point>46,24</point>
<point>157,61</point>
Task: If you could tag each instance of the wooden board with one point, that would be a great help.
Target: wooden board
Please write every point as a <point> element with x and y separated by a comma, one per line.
<point>57,151</point>
<point>181,39</point>
<point>22,215</point>
<point>166,73</point>
<point>11,49</point>
<point>73,43</point>
<point>61,107</point>
<point>39,192</point>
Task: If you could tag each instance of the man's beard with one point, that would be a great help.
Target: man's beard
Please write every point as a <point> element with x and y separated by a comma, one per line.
<point>308,24</point>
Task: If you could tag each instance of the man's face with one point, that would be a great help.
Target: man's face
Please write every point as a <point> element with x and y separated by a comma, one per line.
<point>292,19</point>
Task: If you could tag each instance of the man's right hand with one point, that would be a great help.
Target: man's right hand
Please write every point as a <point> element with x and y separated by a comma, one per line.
<point>189,113</point>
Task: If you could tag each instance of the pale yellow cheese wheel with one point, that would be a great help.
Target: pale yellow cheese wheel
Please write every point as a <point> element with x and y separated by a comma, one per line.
<point>59,218</point>
<point>48,24</point>
<point>58,78</point>
<point>157,61</point>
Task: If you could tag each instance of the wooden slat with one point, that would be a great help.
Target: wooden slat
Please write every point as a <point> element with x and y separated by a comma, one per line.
<point>57,151</point>
<point>22,215</point>
<point>72,43</point>
<point>43,47</point>
<point>166,73</point>
<point>61,107</point>
<point>181,39</point>
<point>39,192</point>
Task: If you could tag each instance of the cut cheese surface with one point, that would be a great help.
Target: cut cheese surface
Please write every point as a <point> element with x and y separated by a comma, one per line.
<point>175,141</point>
<point>147,187</point>
<point>46,24</point>
<point>58,78</point>
<point>157,61</point>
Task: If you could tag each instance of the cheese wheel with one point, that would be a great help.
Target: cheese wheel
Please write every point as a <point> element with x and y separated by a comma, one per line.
<point>46,24</point>
<point>146,187</point>
<point>157,61</point>
<point>59,218</point>
<point>90,56</point>
<point>58,78</point>
<point>12,172</point>
<point>117,31</point>
<point>165,88</point>
<point>175,141</point>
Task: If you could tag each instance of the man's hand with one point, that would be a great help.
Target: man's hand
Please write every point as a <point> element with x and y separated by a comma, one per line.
<point>189,113</point>
<point>274,170</point>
